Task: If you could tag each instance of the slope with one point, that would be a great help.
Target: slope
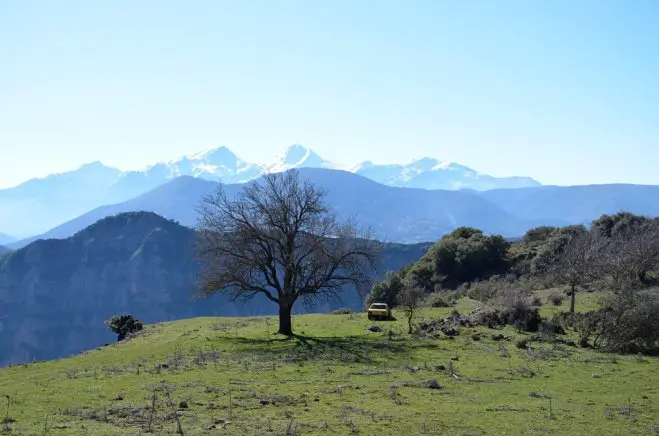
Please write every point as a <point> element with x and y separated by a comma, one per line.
<point>4,250</point>
<point>58,292</point>
<point>236,377</point>
<point>396,214</point>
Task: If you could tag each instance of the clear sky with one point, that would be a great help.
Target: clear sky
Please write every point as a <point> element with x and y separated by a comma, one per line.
<point>566,91</point>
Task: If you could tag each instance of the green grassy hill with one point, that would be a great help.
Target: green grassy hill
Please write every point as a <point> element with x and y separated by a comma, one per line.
<point>234,376</point>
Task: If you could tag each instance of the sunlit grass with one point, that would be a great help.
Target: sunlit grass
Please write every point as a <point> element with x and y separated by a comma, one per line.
<point>237,377</point>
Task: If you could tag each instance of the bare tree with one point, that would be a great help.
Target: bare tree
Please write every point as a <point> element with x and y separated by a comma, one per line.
<point>410,301</point>
<point>279,238</point>
<point>630,255</point>
<point>580,261</point>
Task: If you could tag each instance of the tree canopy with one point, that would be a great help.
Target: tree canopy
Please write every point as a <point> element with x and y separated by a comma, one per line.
<point>279,238</point>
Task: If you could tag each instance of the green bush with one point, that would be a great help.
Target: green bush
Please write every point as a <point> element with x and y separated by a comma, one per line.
<point>386,291</point>
<point>342,311</point>
<point>439,300</point>
<point>555,298</point>
<point>124,325</point>
<point>464,255</point>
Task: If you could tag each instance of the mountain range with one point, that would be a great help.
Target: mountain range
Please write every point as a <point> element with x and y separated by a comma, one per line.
<point>404,215</point>
<point>59,205</point>
<point>50,201</point>
<point>56,294</point>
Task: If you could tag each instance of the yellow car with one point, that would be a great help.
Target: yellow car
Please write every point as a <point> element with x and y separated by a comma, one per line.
<point>379,311</point>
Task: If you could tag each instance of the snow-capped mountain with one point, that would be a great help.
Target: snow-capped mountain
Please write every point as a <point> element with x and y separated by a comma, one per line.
<point>217,164</point>
<point>429,173</point>
<point>298,156</point>
<point>52,200</point>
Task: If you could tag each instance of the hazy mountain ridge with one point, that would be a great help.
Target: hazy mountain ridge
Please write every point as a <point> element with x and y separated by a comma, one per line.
<point>57,198</point>
<point>576,204</point>
<point>403,215</point>
<point>58,292</point>
<point>6,239</point>
<point>429,173</point>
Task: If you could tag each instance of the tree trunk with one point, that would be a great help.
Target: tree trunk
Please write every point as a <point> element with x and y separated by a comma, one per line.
<point>285,324</point>
<point>572,302</point>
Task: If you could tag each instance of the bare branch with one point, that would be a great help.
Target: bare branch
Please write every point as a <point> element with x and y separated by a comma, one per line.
<point>279,238</point>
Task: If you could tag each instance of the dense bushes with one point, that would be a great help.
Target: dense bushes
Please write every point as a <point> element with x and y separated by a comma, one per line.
<point>618,253</point>
<point>627,322</point>
<point>464,255</point>
<point>439,299</point>
<point>555,298</point>
<point>388,290</point>
<point>124,325</point>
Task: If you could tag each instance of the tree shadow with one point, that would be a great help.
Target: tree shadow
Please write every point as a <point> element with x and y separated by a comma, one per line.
<point>349,349</point>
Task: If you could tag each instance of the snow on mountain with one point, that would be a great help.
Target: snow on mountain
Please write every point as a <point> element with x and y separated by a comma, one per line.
<point>429,173</point>
<point>298,156</point>
<point>51,200</point>
<point>214,163</point>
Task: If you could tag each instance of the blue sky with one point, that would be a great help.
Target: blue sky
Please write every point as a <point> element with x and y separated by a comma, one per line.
<point>564,91</point>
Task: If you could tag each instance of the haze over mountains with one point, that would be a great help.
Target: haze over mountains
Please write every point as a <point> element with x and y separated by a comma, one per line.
<point>402,215</point>
<point>6,239</point>
<point>393,199</point>
<point>57,198</point>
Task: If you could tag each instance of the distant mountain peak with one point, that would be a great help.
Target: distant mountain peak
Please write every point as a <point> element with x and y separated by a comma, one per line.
<point>426,163</point>
<point>93,165</point>
<point>219,154</point>
<point>299,156</point>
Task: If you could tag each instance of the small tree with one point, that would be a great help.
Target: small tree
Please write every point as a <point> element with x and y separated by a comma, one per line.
<point>410,301</point>
<point>124,325</point>
<point>631,253</point>
<point>580,261</point>
<point>278,238</point>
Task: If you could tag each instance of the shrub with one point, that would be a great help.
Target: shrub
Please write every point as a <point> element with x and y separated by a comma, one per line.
<point>387,291</point>
<point>626,323</point>
<point>342,311</point>
<point>555,298</point>
<point>522,343</point>
<point>124,325</point>
<point>631,322</point>
<point>466,254</point>
<point>514,308</point>
<point>439,300</point>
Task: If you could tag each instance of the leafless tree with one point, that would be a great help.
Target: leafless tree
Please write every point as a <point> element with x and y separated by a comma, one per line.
<point>579,262</point>
<point>631,255</point>
<point>410,301</point>
<point>279,238</point>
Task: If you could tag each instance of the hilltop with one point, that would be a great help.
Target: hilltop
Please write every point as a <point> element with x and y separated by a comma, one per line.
<point>233,375</point>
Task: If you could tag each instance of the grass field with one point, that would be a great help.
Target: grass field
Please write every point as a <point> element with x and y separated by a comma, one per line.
<point>234,376</point>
